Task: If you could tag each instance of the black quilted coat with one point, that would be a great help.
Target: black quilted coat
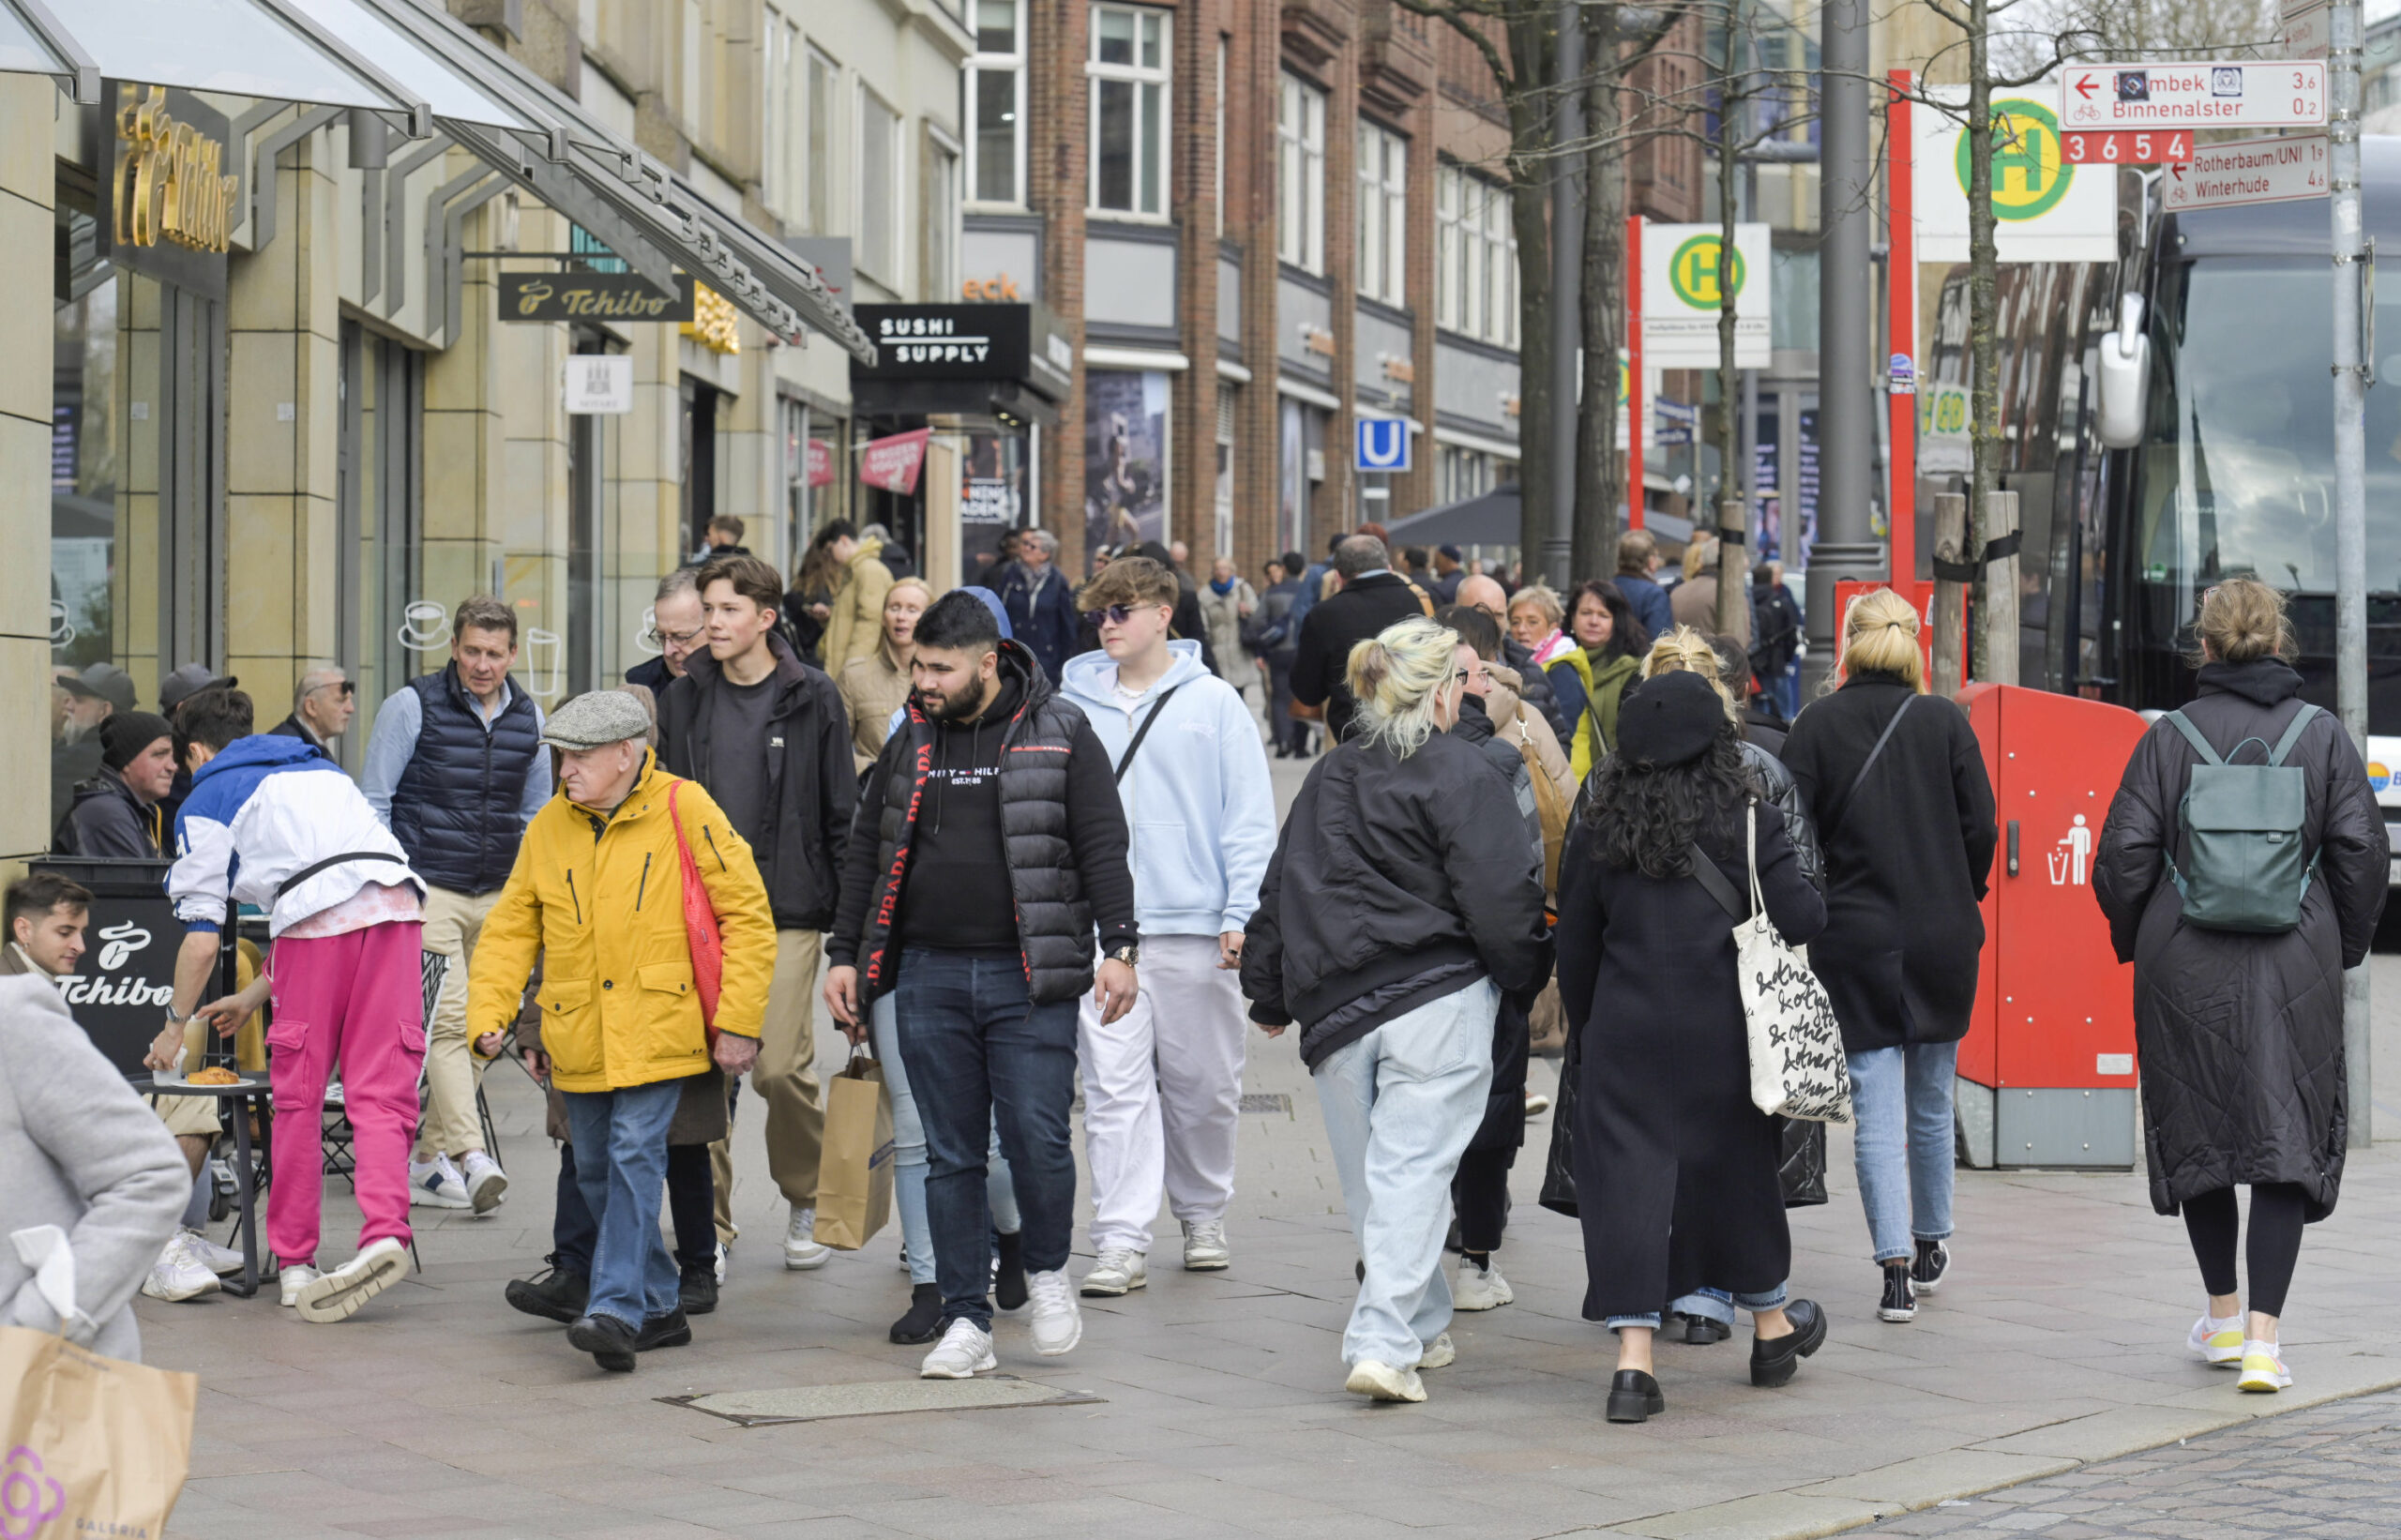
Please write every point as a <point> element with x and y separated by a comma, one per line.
<point>2240,1036</point>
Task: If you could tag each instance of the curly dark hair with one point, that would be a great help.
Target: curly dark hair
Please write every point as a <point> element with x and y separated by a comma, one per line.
<point>1648,818</point>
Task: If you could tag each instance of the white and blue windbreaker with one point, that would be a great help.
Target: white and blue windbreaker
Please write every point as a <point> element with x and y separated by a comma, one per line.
<point>266,811</point>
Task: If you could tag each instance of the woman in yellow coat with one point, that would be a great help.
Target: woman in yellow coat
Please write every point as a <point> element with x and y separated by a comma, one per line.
<point>598,892</point>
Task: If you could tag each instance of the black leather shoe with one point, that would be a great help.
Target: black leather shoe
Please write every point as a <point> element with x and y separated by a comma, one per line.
<point>668,1331</point>
<point>1701,1331</point>
<point>1009,1273</point>
<point>697,1290</point>
<point>1773,1362</point>
<point>608,1340</point>
<point>554,1295</point>
<point>1634,1398</point>
<point>923,1322</point>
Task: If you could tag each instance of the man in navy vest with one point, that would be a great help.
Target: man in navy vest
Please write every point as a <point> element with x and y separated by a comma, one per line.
<point>456,768</point>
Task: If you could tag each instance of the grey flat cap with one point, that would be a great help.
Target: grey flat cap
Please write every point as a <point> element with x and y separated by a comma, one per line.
<point>602,717</point>
<point>111,683</point>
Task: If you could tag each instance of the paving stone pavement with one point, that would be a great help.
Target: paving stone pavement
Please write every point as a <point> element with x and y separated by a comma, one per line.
<point>438,1411</point>
<point>2333,1471</point>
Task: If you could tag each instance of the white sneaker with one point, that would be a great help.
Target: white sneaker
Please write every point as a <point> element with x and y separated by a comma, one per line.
<point>2217,1340</point>
<point>2263,1368</point>
<point>436,1184</point>
<point>484,1180</point>
<point>1536,1104</point>
<point>1383,1383</point>
<point>1118,1270</point>
<point>1440,1354</point>
<point>220,1259</point>
<point>1057,1322</point>
<point>721,1255</point>
<point>964,1352</point>
<point>178,1273</point>
<point>336,1295</point>
<point>1480,1288</point>
<point>801,1254</point>
<point>294,1278</point>
<point>1204,1247</point>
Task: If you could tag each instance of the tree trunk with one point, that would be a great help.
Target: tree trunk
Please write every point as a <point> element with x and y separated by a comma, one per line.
<point>1599,483</point>
<point>1950,599</point>
<point>1996,595</point>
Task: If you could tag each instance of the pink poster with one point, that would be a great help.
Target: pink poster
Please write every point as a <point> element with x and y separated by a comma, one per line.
<point>893,463</point>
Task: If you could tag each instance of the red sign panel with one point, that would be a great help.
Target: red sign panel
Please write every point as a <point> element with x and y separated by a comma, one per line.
<point>2126,146</point>
<point>821,464</point>
<point>893,463</point>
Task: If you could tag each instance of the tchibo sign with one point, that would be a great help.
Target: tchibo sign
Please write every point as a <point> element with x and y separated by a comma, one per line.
<point>127,981</point>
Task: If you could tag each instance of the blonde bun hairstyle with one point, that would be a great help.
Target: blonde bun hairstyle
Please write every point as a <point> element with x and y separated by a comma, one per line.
<point>1881,636</point>
<point>1684,650</point>
<point>2242,619</point>
<point>1397,677</point>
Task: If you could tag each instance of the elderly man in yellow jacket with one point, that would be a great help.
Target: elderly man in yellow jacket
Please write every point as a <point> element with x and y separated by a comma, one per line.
<point>598,892</point>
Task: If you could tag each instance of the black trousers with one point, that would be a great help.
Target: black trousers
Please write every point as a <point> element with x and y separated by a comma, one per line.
<point>691,1200</point>
<point>2276,1209</point>
<point>1480,1197</point>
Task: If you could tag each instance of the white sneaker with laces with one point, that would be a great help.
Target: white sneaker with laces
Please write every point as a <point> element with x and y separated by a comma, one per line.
<point>436,1184</point>
<point>964,1352</point>
<point>1440,1354</point>
<point>336,1295</point>
<point>1384,1382</point>
<point>220,1259</point>
<point>1118,1270</point>
<point>801,1254</point>
<point>294,1278</point>
<point>2217,1340</point>
<point>1057,1322</point>
<point>1480,1288</point>
<point>2263,1368</point>
<point>178,1273</point>
<point>1205,1247</point>
<point>485,1182</point>
<point>721,1255</point>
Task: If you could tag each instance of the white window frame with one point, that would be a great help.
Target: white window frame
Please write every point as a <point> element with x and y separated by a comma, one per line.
<point>1219,162</point>
<point>979,65</point>
<point>944,167</point>
<point>1150,157</point>
<point>1381,256</point>
<point>887,266</point>
<point>818,183</point>
<point>786,145</point>
<point>1300,174</point>
<point>1475,271</point>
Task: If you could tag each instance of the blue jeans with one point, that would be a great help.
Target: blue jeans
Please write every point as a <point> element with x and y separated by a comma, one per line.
<point>1709,1304</point>
<point>1905,1145</point>
<point>1401,1105</point>
<point>1715,1304</point>
<point>909,1155</point>
<point>976,1046</point>
<point>621,1165</point>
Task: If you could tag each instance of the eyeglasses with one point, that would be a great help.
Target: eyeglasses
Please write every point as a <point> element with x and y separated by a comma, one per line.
<point>683,638</point>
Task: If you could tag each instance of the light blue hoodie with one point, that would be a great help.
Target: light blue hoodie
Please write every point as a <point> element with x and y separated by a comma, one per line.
<point>1198,799</point>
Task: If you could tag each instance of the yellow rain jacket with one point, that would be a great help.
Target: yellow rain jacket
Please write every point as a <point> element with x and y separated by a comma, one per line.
<point>600,898</point>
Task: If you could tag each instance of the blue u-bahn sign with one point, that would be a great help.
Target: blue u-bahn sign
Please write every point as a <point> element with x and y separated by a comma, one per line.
<point>1383,443</point>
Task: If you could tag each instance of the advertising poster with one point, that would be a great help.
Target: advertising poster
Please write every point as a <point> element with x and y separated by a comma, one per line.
<point>1124,457</point>
<point>992,498</point>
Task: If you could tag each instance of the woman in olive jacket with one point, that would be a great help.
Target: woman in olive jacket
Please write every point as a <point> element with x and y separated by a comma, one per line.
<point>2241,1035</point>
<point>1904,810</point>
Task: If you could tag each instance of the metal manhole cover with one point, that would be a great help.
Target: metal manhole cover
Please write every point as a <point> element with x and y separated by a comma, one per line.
<point>1266,1101</point>
<point>878,1398</point>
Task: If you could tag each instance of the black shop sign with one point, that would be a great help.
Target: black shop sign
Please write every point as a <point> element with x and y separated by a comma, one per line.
<point>947,341</point>
<point>120,994</point>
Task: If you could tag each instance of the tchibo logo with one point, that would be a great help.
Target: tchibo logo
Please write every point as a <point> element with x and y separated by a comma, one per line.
<point>119,944</point>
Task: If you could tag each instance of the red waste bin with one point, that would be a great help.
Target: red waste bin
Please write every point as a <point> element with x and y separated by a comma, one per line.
<point>2046,1073</point>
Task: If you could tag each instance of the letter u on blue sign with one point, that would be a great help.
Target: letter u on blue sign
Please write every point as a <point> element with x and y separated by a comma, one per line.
<point>1384,443</point>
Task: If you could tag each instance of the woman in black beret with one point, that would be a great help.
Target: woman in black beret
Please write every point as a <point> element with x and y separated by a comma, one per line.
<point>1675,1168</point>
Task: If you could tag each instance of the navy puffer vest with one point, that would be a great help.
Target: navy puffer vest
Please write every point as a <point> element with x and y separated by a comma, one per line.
<point>457,809</point>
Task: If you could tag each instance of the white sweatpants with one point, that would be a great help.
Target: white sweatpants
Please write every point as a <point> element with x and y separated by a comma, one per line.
<point>1163,1093</point>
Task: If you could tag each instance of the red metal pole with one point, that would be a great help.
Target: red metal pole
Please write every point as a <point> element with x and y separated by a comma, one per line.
<point>1635,405</point>
<point>1900,276</point>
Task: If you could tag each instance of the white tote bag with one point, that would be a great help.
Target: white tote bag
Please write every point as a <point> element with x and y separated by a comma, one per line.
<point>1797,1064</point>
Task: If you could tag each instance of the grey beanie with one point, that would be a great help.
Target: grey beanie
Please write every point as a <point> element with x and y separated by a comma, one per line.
<point>601,717</point>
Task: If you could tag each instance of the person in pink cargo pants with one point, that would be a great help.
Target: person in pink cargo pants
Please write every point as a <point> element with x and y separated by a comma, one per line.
<point>272,821</point>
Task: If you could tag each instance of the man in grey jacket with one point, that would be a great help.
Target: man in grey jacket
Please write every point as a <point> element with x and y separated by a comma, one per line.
<point>78,1150</point>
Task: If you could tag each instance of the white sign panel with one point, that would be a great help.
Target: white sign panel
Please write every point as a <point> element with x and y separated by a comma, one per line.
<point>1683,271</point>
<point>2247,170</point>
<point>599,383</point>
<point>2048,210</point>
<point>2289,94</point>
<point>2306,28</point>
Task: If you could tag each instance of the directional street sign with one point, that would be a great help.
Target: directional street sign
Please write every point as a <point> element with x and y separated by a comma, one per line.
<point>2248,171</point>
<point>2306,27</point>
<point>2289,94</point>
<point>1384,443</point>
<point>2126,146</point>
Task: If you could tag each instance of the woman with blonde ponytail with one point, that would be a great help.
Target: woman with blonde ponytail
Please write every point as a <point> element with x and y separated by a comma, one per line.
<point>1904,810</point>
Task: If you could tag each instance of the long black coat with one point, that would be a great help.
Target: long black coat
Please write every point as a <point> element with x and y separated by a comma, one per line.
<point>1906,862</point>
<point>1675,1170</point>
<point>2240,1036</point>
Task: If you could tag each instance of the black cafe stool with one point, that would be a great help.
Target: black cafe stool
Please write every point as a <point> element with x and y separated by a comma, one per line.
<point>238,1103</point>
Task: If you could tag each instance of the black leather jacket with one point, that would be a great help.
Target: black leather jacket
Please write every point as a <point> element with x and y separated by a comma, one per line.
<point>1785,796</point>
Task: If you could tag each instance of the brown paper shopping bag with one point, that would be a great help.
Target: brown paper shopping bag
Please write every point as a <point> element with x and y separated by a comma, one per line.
<point>88,1446</point>
<point>854,1178</point>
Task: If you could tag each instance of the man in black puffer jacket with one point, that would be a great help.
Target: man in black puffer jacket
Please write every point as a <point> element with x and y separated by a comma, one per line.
<point>1000,851</point>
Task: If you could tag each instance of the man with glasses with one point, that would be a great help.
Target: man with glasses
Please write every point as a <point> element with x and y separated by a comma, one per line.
<point>323,703</point>
<point>676,617</point>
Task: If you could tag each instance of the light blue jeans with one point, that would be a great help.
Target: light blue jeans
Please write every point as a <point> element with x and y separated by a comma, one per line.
<point>909,1154</point>
<point>1401,1105</point>
<point>621,1165</point>
<point>1716,1304</point>
<point>1905,1144</point>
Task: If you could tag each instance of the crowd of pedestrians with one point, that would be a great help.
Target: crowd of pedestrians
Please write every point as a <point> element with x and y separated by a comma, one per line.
<point>1019,839</point>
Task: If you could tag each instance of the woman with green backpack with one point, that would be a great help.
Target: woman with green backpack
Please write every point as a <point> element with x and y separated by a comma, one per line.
<point>2242,868</point>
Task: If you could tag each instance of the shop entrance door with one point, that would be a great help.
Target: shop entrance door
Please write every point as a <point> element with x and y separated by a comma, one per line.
<point>191,478</point>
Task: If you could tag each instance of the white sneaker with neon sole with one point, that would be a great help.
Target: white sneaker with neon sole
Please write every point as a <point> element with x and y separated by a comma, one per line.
<point>336,1295</point>
<point>2263,1369</point>
<point>2217,1342</point>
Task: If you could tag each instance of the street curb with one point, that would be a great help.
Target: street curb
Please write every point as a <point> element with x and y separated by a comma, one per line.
<point>1847,1503</point>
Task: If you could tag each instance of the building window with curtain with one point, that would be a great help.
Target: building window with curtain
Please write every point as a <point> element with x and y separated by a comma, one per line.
<point>1128,70</point>
<point>877,241</point>
<point>1384,214</point>
<point>996,105</point>
<point>824,118</point>
<point>940,278</point>
<point>1475,257</point>
<point>1300,174</point>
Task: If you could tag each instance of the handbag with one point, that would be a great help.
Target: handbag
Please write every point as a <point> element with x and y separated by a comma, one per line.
<point>1801,1171</point>
<point>699,926</point>
<point>1798,1069</point>
<point>1559,1172</point>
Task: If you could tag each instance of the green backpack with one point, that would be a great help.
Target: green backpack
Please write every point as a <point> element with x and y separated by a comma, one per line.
<point>2244,829</point>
